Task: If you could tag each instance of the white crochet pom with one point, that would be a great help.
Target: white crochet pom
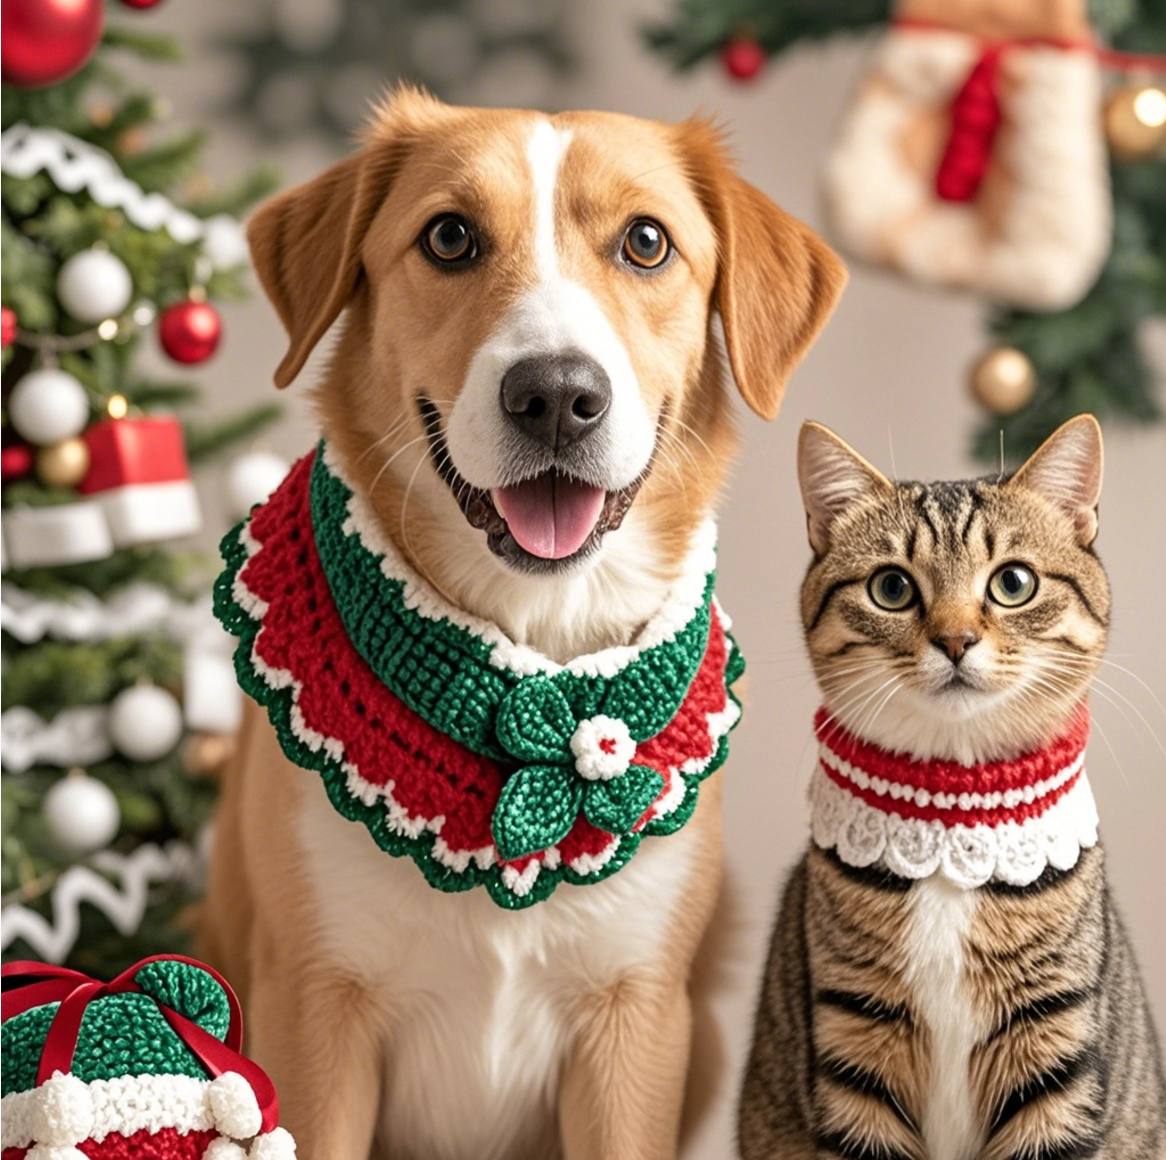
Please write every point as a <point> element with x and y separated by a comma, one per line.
<point>62,1113</point>
<point>233,1105</point>
<point>274,1145</point>
<point>224,1149</point>
<point>55,1152</point>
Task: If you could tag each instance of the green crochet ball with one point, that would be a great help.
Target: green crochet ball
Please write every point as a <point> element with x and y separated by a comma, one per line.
<point>123,1034</point>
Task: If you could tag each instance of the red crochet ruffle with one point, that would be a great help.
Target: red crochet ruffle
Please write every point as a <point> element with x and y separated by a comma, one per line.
<point>950,777</point>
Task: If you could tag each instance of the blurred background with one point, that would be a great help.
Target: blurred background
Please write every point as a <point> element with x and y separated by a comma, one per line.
<point>917,374</point>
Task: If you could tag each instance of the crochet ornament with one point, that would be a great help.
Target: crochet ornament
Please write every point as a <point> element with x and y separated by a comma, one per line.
<point>974,156</point>
<point>1006,821</point>
<point>485,762</point>
<point>145,1066</point>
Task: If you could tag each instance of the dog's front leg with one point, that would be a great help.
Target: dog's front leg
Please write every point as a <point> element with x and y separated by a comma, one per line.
<point>623,1085</point>
<point>321,1038</point>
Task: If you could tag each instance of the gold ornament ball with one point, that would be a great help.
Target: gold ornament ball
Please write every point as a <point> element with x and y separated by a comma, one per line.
<point>1135,121</point>
<point>63,464</point>
<point>1003,380</point>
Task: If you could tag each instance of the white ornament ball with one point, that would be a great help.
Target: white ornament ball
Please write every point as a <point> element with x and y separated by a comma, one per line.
<point>145,722</point>
<point>48,406</point>
<point>252,478</point>
<point>94,285</point>
<point>62,1113</point>
<point>234,1106</point>
<point>82,815</point>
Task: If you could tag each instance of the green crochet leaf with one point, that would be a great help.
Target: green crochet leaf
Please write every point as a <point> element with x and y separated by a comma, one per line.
<point>616,805</point>
<point>123,1034</point>
<point>535,722</point>
<point>537,808</point>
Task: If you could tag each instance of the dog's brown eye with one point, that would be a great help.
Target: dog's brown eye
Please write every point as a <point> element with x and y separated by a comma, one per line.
<point>645,244</point>
<point>449,239</point>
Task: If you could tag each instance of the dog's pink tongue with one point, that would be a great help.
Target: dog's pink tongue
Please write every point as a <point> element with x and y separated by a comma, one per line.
<point>550,516</point>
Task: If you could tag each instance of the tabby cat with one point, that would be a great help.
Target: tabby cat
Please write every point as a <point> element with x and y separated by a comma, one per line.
<point>948,977</point>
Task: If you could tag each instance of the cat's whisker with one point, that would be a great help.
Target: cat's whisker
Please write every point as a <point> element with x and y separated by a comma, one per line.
<point>1074,657</point>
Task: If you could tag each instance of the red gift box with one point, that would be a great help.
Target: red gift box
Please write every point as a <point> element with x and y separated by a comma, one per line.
<point>134,451</point>
<point>139,475</point>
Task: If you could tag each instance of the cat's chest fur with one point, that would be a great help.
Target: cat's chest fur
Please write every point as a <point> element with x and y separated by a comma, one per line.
<point>940,920</point>
<point>481,997</point>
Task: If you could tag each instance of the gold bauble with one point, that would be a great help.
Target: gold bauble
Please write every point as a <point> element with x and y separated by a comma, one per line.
<point>63,464</point>
<point>1003,380</point>
<point>1135,122</point>
<point>207,753</point>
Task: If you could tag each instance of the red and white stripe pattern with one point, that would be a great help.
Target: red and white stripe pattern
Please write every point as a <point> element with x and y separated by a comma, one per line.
<point>1007,820</point>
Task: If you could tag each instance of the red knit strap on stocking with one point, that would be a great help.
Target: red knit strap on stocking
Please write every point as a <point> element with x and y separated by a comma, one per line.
<point>975,121</point>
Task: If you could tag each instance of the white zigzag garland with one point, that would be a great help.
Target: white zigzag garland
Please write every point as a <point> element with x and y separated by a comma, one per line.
<point>74,165</point>
<point>124,907</point>
<point>78,735</point>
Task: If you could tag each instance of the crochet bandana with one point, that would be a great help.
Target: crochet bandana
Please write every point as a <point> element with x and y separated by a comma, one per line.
<point>1007,820</point>
<point>482,760</point>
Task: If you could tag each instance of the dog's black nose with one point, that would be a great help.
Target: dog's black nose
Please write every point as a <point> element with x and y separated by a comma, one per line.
<point>556,399</point>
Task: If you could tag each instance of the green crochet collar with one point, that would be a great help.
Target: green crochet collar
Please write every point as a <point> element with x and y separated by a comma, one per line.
<point>479,757</point>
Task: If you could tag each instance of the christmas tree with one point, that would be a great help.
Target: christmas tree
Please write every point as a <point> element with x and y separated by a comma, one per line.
<point>117,701</point>
<point>1043,365</point>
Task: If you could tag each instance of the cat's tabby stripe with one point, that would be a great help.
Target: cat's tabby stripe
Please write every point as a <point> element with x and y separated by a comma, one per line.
<point>866,1006</point>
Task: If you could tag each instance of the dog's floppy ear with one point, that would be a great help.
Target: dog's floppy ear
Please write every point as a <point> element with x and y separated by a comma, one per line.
<point>777,281</point>
<point>305,243</point>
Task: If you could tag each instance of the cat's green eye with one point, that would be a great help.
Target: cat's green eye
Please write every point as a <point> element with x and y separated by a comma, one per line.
<point>892,589</point>
<point>1012,585</point>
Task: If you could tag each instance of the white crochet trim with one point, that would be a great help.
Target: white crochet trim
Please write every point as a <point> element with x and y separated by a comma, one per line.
<point>75,165</point>
<point>1014,852</point>
<point>592,761</point>
<point>899,791</point>
<point>123,904</point>
<point>65,1111</point>
<point>678,608</point>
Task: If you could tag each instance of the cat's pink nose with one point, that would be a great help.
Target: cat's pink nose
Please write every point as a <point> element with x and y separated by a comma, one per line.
<point>955,644</point>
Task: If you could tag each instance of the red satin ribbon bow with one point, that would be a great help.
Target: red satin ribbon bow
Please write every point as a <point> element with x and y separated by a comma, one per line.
<point>30,984</point>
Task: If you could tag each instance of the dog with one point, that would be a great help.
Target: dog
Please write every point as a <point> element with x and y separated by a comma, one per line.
<point>527,294</point>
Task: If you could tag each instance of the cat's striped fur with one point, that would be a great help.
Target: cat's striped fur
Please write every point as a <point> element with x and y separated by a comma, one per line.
<point>919,1020</point>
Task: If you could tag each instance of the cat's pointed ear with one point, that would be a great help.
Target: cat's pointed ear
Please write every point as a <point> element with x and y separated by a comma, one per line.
<point>1066,469</point>
<point>832,475</point>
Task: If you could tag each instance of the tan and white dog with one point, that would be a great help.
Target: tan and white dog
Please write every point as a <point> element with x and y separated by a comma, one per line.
<point>532,298</point>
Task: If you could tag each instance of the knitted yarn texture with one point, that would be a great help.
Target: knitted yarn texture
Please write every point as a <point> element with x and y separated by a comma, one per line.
<point>147,1066</point>
<point>1004,820</point>
<point>485,762</point>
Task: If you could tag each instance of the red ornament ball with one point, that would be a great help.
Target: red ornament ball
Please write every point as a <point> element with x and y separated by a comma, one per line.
<point>7,327</point>
<point>16,461</point>
<point>45,41</point>
<point>190,331</point>
<point>743,58</point>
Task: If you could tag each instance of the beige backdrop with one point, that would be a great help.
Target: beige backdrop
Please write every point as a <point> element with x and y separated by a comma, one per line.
<point>889,371</point>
